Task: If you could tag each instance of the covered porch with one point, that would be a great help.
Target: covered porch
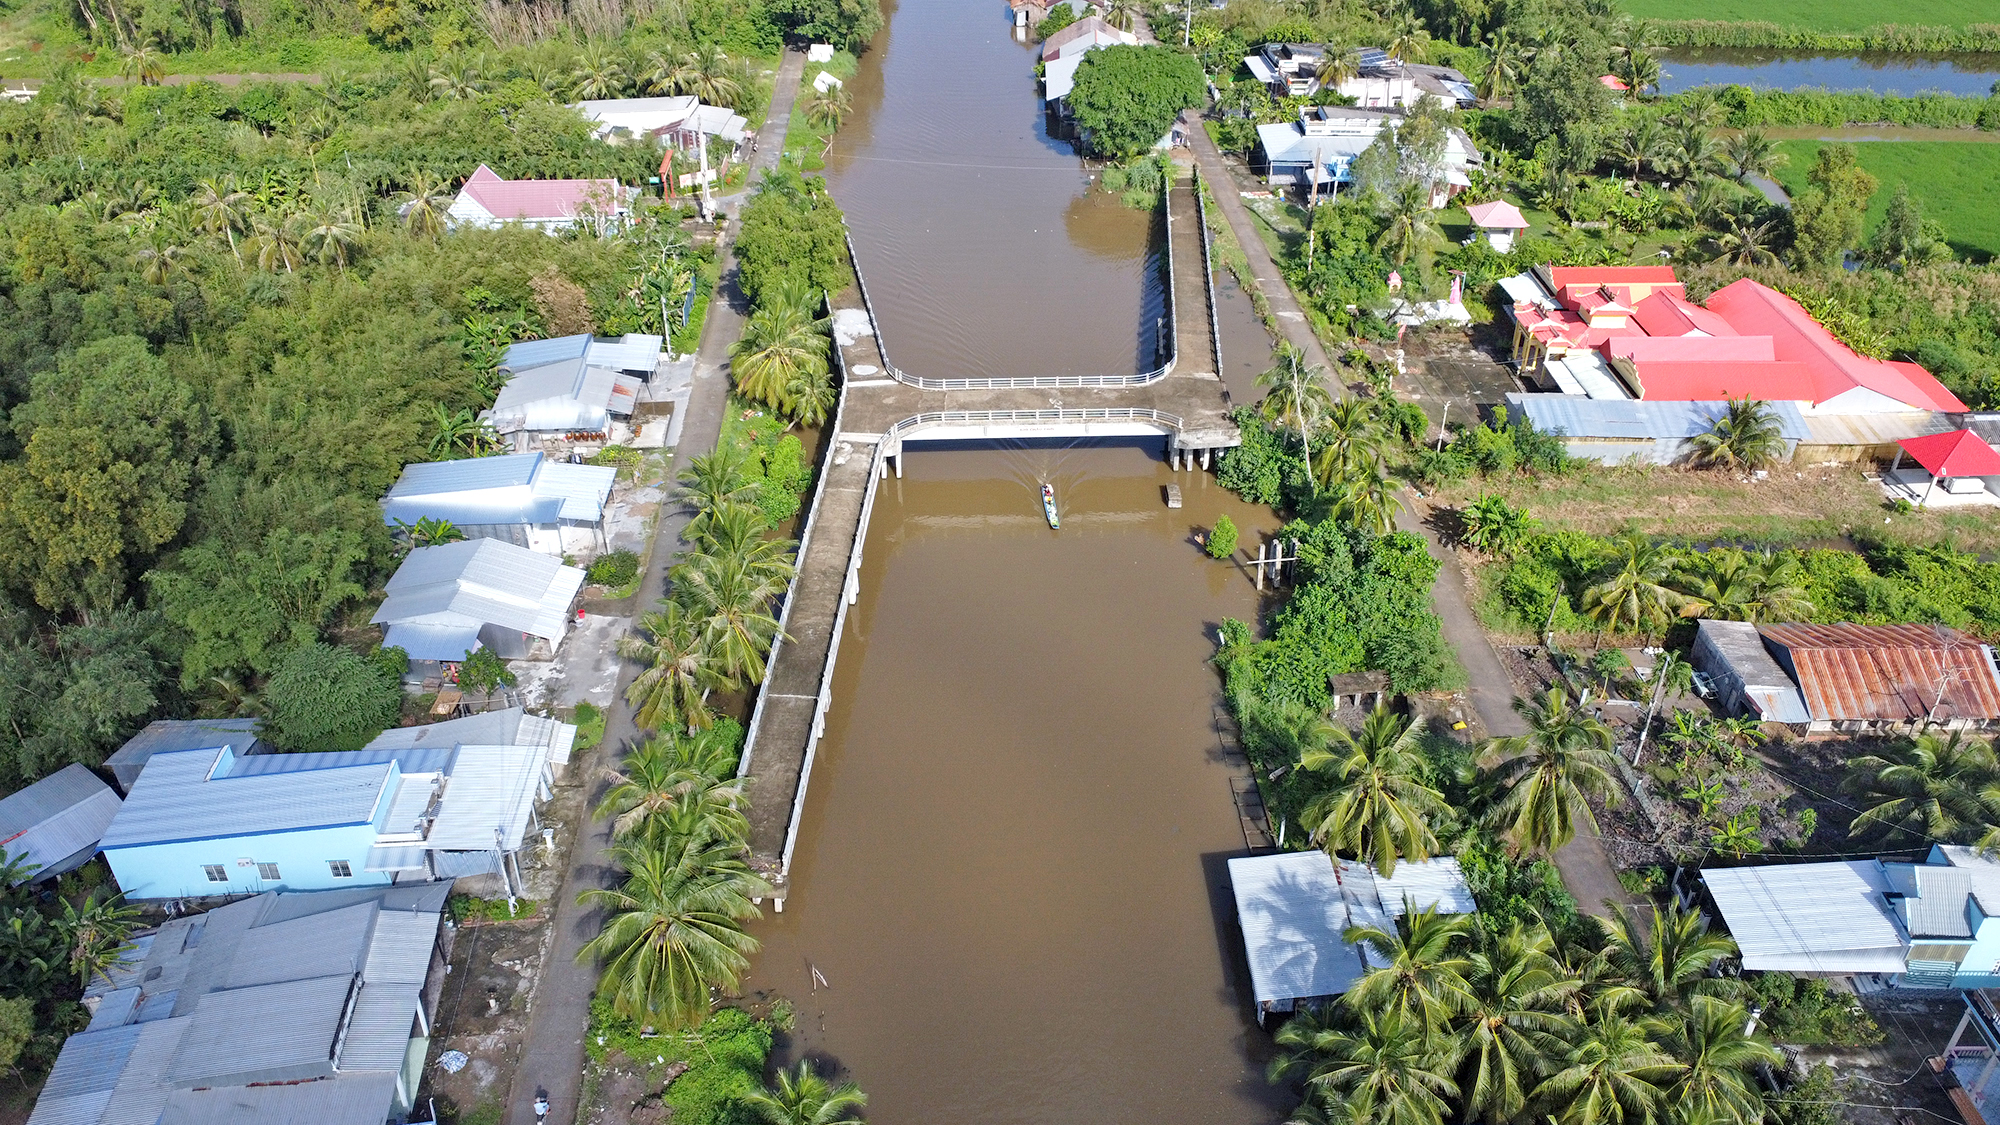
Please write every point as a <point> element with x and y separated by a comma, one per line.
<point>1949,470</point>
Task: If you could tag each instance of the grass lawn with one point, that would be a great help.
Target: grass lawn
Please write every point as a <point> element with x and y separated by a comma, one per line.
<point>1817,15</point>
<point>1954,184</point>
<point>1796,505</point>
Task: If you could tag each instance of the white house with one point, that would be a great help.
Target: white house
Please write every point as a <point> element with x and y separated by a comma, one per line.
<point>486,200</point>
<point>684,122</point>
<point>526,499</point>
<point>569,396</point>
<point>1321,146</point>
<point>1499,221</point>
<point>449,600</point>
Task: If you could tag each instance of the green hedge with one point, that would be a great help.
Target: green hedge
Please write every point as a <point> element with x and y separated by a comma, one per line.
<point>1749,107</point>
<point>1979,37</point>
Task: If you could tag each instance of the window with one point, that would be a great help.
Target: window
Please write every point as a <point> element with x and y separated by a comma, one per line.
<point>340,868</point>
<point>216,872</point>
<point>267,872</point>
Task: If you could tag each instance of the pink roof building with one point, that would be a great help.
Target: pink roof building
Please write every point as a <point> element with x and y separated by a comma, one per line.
<point>1498,221</point>
<point>489,201</point>
<point>1631,332</point>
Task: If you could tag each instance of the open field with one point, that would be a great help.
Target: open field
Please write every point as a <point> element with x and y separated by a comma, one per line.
<point>1794,506</point>
<point>1952,181</point>
<point>1817,15</point>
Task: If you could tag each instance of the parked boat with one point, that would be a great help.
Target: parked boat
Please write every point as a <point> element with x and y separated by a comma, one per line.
<point>1049,507</point>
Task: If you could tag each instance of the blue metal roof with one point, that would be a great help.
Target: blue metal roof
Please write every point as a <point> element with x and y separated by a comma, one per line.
<point>175,798</point>
<point>534,353</point>
<point>468,474</point>
<point>423,759</point>
<point>1579,417</point>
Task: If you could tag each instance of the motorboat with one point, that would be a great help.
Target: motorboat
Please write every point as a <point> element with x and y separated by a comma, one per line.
<point>1049,507</point>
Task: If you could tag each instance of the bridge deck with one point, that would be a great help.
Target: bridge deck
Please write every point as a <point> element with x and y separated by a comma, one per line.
<point>784,730</point>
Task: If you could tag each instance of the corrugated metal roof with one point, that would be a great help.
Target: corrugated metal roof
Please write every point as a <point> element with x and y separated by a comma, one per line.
<point>56,818</point>
<point>488,728</point>
<point>1984,872</point>
<point>635,351</point>
<point>110,1077</point>
<point>167,735</point>
<point>480,582</point>
<point>558,736</point>
<point>175,799</point>
<point>348,1099</point>
<point>1744,656</point>
<point>379,1028</point>
<point>1428,883</point>
<point>491,787</point>
<point>536,353</point>
<point>582,489</point>
<point>1934,898</point>
<point>1811,917</point>
<point>1292,914</point>
<point>115,1008</point>
<point>470,474</point>
<point>432,642</point>
<point>405,858</point>
<point>557,396</point>
<point>1892,673</point>
<point>269,1033</point>
<point>1870,429</point>
<point>1580,417</point>
<point>458,865</point>
<point>408,760</point>
<point>329,944</point>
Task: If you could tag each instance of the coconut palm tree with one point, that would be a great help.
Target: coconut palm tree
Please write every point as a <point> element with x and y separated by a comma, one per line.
<point>1378,807</point>
<point>780,342</point>
<point>737,531</point>
<point>143,62</point>
<point>456,79</point>
<point>599,73</point>
<point>1747,436</point>
<point>678,672</point>
<point>1339,66</point>
<point>160,259</point>
<point>222,208</point>
<point>1368,499</point>
<point>1351,443</point>
<point>328,233</point>
<point>1387,1071</point>
<point>1637,592</point>
<point>1744,240</point>
<point>1668,956</point>
<point>665,772</point>
<point>1614,1074</point>
<point>802,1097</point>
<point>708,74</point>
<point>425,207</point>
<point>1639,144</point>
<point>829,107</point>
<point>1423,978</point>
<point>1717,1085</point>
<point>1752,153</point>
<point>674,931</point>
<point>1297,398</point>
<point>1504,64</point>
<point>1412,224</point>
<point>1733,585</point>
<point>1408,41</point>
<point>1938,787</point>
<point>716,479</point>
<point>1510,1032</point>
<point>1550,772</point>
<point>731,601</point>
<point>1640,70</point>
<point>274,245</point>
<point>810,398</point>
<point>15,868</point>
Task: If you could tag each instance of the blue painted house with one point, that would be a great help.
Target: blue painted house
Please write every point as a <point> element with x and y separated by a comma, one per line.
<point>209,821</point>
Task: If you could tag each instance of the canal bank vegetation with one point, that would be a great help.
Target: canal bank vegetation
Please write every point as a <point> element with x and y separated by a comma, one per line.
<point>1828,28</point>
<point>1747,108</point>
<point>1949,186</point>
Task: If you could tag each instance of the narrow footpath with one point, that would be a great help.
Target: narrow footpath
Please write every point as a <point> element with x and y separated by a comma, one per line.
<point>553,1059</point>
<point>1586,869</point>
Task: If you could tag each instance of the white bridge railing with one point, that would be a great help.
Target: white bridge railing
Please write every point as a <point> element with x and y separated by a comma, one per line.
<point>990,417</point>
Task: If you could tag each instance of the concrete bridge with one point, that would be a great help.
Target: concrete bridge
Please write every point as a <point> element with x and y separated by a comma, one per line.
<point>882,411</point>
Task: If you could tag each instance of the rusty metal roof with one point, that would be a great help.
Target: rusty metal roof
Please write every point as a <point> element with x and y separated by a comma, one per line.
<point>1890,673</point>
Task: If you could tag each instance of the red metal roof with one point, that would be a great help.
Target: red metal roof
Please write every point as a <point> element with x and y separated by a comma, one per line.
<point>1612,275</point>
<point>1667,313</point>
<point>1892,673</point>
<point>1693,349</point>
<point>1756,309</point>
<point>1700,381</point>
<point>1959,453</point>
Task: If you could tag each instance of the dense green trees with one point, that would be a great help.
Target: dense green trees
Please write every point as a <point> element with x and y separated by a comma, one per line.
<point>325,698</point>
<point>793,239</point>
<point>1126,98</point>
<point>1826,218</point>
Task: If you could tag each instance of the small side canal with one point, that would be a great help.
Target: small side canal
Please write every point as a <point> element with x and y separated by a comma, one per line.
<point>1964,75</point>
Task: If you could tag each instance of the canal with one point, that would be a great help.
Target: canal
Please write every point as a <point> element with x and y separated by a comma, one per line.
<point>1964,75</point>
<point>1008,900</point>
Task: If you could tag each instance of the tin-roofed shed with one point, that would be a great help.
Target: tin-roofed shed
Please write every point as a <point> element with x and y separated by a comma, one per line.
<point>1293,909</point>
<point>1888,677</point>
<point>1747,680</point>
<point>56,823</point>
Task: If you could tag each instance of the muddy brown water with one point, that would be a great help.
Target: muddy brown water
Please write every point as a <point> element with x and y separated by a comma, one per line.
<point>1010,873</point>
<point>1010,868</point>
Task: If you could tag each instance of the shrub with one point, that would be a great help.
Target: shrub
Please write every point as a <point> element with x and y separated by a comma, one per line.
<point>617,570</point>
<point>1222,538</point>
<point>324,698</point>
<point>1808,1013</point>
<point>589,720</point>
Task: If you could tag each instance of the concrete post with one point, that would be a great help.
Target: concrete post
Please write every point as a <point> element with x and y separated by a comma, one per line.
<point>1205,455</point>
<point>899,463</point>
